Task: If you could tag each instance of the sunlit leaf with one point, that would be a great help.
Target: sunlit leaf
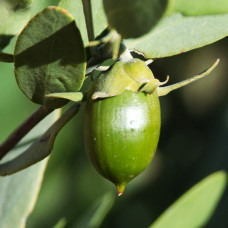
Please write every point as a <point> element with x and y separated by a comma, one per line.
<point>177,34</point>
<point>76,9</point>
<point>202,7</point>
<point>18,193</point>
<point>195,207</point>
<point>13,17</point>
<point>50,57</point>
<point>76,96</point>
<point>40,148</point>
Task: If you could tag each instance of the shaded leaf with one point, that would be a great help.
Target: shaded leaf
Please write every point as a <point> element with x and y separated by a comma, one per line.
<point>94,217</point>
<point>18,193</point>
<point>177,34</point>
<point>195,207</point>
<point>50,57</point>
<point>76,9</point>
<point>134,18</point>
<point>202,7</point>
<point>13,17</point>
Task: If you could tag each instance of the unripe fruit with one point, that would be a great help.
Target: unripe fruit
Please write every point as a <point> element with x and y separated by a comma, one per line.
<point>122,120</point>
<point>121,134</point>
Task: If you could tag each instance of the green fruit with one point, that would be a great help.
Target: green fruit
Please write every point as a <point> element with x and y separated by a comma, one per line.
<point>122,127</point>
<point>121,134</point>
<point>122,120</point>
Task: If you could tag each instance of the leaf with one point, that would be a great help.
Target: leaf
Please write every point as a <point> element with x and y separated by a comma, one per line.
<point>162,91</point>
<point>18,193</point>
<point>177,34</point>
<point>202,7</point>
<point>76,9</point>
<point>13,16</point>
<point>134,18</point>
<point>61,223</point>
<point>76,97</point>
<point>50,57</point>
<point>94,217</point>
<point>195,207</point>
<point>40,148</point>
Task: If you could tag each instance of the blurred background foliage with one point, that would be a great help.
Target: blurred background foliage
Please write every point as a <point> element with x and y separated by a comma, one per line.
<point>193,144</point>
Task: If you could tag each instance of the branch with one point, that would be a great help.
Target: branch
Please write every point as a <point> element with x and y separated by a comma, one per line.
<point>41,148</point>
<point>5,57</point>
<point>89,18</point>
<point>23,129</point>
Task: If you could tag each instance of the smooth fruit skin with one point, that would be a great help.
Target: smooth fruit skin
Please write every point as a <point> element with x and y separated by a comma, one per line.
<point>121,134</point>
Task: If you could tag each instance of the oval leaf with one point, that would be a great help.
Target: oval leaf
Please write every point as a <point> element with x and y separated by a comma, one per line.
<point>202,7</point>
<point>177,34</point>
<point>50,57</point>
<point>18,193</point>
<point>134,18</point>
<point>196,206</point>
<point>13,17</point>
<point>76,9</point>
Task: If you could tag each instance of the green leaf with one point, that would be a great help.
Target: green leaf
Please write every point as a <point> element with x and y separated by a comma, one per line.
<point>18,193</point>
<point>61,223</point>
<point>134,18</point>
<point>202,7</point>
<point>162,91</point>
<point>75,7</point>
<point>195,207</point>
<point>40,148</point>
<point>76,96</point>
<point>177,34</point>
<point>94,217</point>
<point>13,17</point>
<point>50,57</point>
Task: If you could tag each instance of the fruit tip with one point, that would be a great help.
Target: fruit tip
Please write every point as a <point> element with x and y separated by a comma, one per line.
<point>120,189</point>
<point>120,193</point>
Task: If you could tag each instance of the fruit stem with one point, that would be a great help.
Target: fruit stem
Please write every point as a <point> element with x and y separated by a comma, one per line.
<point>125,55</point>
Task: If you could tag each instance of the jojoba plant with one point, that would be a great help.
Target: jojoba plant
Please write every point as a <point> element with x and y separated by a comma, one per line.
<point>122,117</point>
<point>110,45</point>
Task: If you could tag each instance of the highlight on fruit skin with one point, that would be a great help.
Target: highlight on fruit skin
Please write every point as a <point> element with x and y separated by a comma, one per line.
<point>122,120</point>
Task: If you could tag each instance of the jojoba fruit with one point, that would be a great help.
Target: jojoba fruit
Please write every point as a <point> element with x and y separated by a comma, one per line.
<point>121,134</point>
<point>122,120</point>
<point>122,126</point>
